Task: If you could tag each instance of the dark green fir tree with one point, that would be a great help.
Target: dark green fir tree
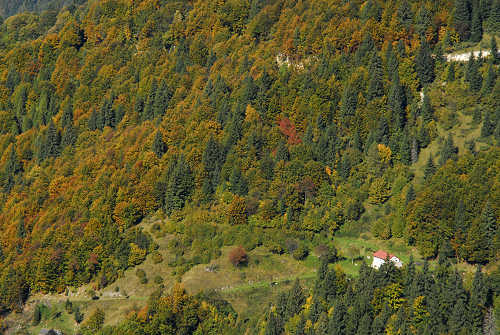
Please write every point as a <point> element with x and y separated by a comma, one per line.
<point>375,85</point>
<point>476,33</point>
<point>424,63</point>
<point>429,169</point>
<point>462,18</point>
<point>159,146</point>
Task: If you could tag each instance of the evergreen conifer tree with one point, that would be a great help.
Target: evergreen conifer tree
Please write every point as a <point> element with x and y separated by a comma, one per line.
<point>108,114</point>
<point>366,46</point>
<point>410,194</point>
<point>308,136</point>
<point>296,299</point>
<point>301,326</point>
<point>405,148</point>
<point>494,17</point>
<point>21,229</point>
<point>237,183</point>
<point>460,216</point>
<point>322,327</point>
<point>92,123</point>
<point>462,19</point>
<point>476,33</point>
<point>495,57</point>
<point>159,146</point>
<point>484,9</point>
<point>282,153</point>
<point>449,151</point>
<point>67,117</point>
<point>427,111</point>
<point>375,85</point>
<point>405,14</point>
<point>489,227</point>
<point>349,101</point>
<point>397,102</point>
<point>148,112</point>
<point>365,325</point>
<point>472,75</point>
<point>179,187</point>
<point>457,321</point>
<point>337,322</point>
<point>451,72</point>
<point>391,60</point>
<point>69,136</point>
<point>139,107</point>
<point>52,141</point>
<point>12,165</point>
<point>424,63</point>
<point>344,168</point>
<point>477,301</point>
<point>430,169</point>
<point>476,116</point>
<point>317,309</point>
<point>161,99</point>
<point>423,21</point>
<point>488,125</point>
<point>490,80</point>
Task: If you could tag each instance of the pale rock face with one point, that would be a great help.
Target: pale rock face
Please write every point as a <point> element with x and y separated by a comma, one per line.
<point>464,57</point>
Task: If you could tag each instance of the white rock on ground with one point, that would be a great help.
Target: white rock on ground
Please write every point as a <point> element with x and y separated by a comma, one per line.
<point>464,57</point>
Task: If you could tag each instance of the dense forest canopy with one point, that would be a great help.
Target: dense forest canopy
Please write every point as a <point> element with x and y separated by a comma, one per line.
<point>11,7</point>
<point>387,301</point>
<point>273,116</point>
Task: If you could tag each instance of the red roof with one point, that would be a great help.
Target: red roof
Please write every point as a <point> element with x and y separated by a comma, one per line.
<point>382,254</point>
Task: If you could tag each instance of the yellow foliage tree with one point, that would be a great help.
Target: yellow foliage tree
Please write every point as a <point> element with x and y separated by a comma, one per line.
<point>379,191</point>
<point>236,212</point>
<point>137,255</point>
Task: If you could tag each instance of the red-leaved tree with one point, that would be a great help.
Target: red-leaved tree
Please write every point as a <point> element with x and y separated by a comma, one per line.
<point>238,256</point>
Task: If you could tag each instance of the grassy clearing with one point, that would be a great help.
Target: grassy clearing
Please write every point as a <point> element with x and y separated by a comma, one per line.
<point>263,269</point>
<point>454,112</point>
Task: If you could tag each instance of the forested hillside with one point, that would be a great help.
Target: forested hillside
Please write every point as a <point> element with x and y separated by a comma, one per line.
<point>387,301</point>
<point>11,7</point>
<point>241,123</point>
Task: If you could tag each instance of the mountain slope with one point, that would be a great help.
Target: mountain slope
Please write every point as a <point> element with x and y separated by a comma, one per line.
<point>260,123</point>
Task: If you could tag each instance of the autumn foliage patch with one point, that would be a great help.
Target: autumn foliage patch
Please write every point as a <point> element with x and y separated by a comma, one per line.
<point>238,256</point>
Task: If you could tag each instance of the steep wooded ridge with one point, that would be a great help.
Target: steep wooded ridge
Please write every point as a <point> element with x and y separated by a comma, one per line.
<point>11,7</point>
<point>254,119</point>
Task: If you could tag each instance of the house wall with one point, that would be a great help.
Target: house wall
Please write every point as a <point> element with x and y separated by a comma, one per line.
<point>377,262</point>
<point>397,261</point>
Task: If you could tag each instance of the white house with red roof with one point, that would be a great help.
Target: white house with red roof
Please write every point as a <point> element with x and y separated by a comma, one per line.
<point>380,257</point>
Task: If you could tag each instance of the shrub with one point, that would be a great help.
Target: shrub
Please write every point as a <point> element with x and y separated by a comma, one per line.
<point>324,251</point>
<point>300,253</point>
<point>91,294</point>
<point>157,257</point>
<point>68,306</point>
<point>238,256</point>
<point>276,249</point>
<point>158,279</point>
<point>140,273</point>
<point>37,315</point>
<point>78,315</point>
<point>291,245</point>
<point>144,280</point>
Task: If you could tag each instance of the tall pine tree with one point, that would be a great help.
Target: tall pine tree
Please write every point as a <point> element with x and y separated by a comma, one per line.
<point>424,63</point>
<point>397,102</point>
